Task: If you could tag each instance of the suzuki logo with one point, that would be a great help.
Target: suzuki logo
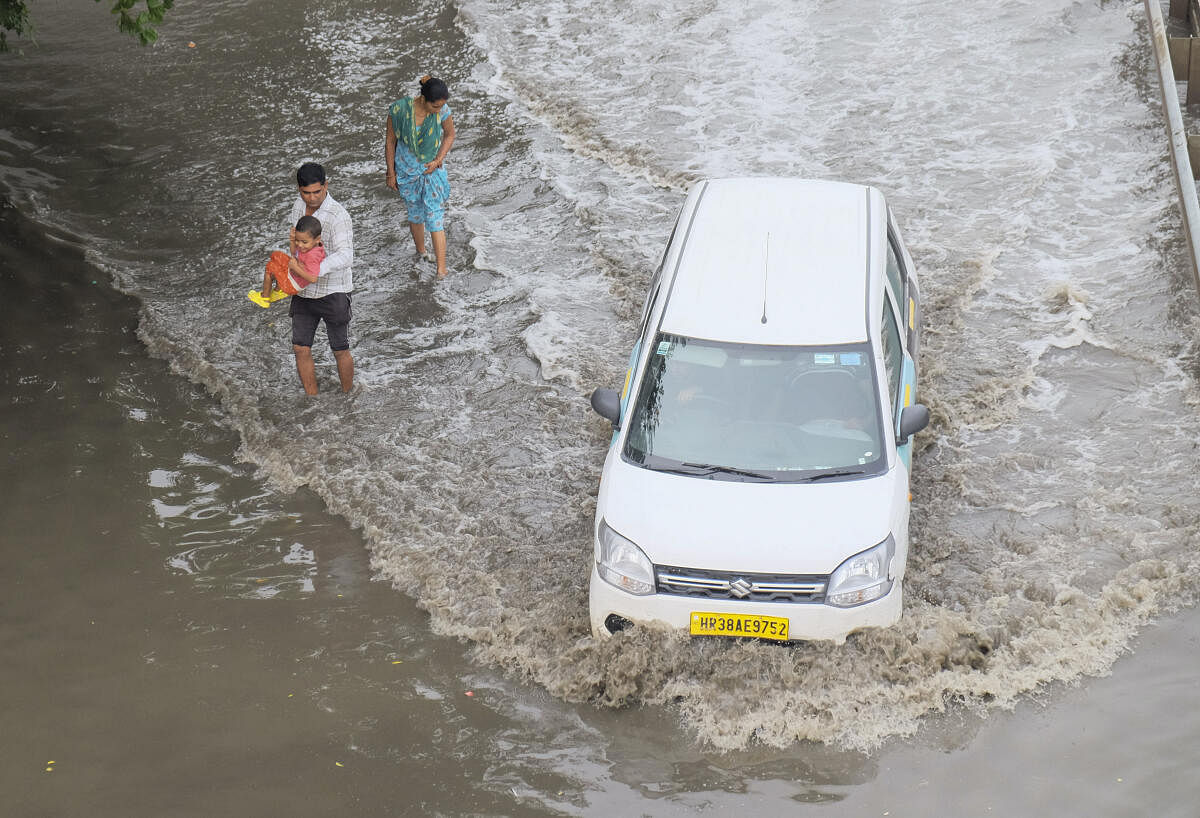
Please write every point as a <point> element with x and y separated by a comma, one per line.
<point>740,588</point>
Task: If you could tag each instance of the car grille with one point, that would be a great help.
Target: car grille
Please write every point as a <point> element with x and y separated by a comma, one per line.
<point>692,582</point>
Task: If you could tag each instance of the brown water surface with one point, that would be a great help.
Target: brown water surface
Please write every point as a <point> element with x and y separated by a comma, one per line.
<point>178,638</point>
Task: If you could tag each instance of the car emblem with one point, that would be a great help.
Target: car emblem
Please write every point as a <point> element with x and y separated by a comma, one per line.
<point>740,588</point>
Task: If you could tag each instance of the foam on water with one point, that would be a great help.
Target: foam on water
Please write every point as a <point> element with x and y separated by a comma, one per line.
<point>1038,541</point>
<point>1047,525</point>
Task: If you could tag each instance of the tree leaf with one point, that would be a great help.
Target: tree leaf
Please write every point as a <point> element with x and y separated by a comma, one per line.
<point>15,19</point>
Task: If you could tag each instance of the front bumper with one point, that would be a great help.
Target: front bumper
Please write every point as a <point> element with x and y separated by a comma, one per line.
<point>806,621</point>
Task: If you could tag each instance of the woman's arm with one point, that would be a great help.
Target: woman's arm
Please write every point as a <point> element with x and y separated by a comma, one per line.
<point>389,153</point>
<point>447,141</point>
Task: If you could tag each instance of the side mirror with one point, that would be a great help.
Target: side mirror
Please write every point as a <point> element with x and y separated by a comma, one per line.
<point>607,403</point>
<point>912,420</point>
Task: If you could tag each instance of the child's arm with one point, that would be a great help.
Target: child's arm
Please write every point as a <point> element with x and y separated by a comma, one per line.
<point>310,271</point>
<point>297,266</point>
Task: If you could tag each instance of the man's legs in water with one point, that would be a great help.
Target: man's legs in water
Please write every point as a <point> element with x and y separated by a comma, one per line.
<point>306,368</point>
<point>345,367</point>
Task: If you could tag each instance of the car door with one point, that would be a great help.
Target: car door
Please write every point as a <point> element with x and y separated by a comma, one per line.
<point>904,289</point>
<point>900,369</point>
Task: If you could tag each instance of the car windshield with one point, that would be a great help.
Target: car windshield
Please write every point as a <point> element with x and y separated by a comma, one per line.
<point>755,412</point>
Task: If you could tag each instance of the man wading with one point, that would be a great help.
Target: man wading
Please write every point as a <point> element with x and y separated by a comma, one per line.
<point>328,298</point>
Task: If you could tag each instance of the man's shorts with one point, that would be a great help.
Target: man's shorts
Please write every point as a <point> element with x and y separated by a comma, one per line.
<point>333,309</point>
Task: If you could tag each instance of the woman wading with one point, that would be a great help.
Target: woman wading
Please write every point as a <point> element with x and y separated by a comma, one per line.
<point>420,131</point>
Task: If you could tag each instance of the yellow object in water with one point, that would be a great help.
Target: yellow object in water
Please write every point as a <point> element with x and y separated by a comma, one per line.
<point>257,297</point>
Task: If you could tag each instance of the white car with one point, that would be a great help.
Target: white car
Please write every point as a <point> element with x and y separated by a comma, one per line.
<point>757,482</point>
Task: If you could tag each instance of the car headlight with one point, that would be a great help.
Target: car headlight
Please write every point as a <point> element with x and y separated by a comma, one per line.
<point>863,577</point>
<point>622,564</point>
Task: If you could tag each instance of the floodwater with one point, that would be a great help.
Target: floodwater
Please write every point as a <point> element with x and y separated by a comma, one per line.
<point>219,597</point>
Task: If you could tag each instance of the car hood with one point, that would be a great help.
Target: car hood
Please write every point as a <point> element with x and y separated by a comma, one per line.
<point>786,528</point>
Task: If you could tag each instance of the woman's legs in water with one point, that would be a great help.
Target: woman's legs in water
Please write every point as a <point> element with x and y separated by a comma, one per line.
<point>418,234</point>
<point>437,238</point>
<point>439,250</point>
<point>426,202</point>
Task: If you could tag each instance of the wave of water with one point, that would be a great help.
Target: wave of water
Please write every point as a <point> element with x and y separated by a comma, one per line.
<point>1047,525</point>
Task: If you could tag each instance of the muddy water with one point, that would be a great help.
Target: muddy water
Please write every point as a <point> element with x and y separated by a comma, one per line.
<point>180,638</point>
<point>189,630</point>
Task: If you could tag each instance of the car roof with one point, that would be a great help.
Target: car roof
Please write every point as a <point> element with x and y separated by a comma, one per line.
<point>775,261</point>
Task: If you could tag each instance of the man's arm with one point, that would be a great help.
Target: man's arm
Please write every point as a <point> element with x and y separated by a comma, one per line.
<point>337,234</point>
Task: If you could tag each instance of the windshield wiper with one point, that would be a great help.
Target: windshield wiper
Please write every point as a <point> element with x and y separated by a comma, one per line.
<point>845,473</point>
<point>709,468</point>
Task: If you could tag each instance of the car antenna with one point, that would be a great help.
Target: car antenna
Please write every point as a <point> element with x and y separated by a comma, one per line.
<point>766,259</point>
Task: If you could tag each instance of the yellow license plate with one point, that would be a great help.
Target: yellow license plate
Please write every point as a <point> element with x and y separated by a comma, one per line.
<point>747,625</point>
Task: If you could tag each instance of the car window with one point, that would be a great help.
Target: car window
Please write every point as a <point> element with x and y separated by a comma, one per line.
<point>783,411</point>
<point>895,272</point>
<point>893,352</point>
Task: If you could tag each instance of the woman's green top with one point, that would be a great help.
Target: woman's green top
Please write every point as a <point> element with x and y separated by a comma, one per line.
<point>424,140</point>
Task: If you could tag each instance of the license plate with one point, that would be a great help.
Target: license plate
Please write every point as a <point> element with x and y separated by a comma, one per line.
<point>747,625</point>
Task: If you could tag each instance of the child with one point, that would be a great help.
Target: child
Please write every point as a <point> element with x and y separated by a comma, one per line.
<point>286,275</point>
